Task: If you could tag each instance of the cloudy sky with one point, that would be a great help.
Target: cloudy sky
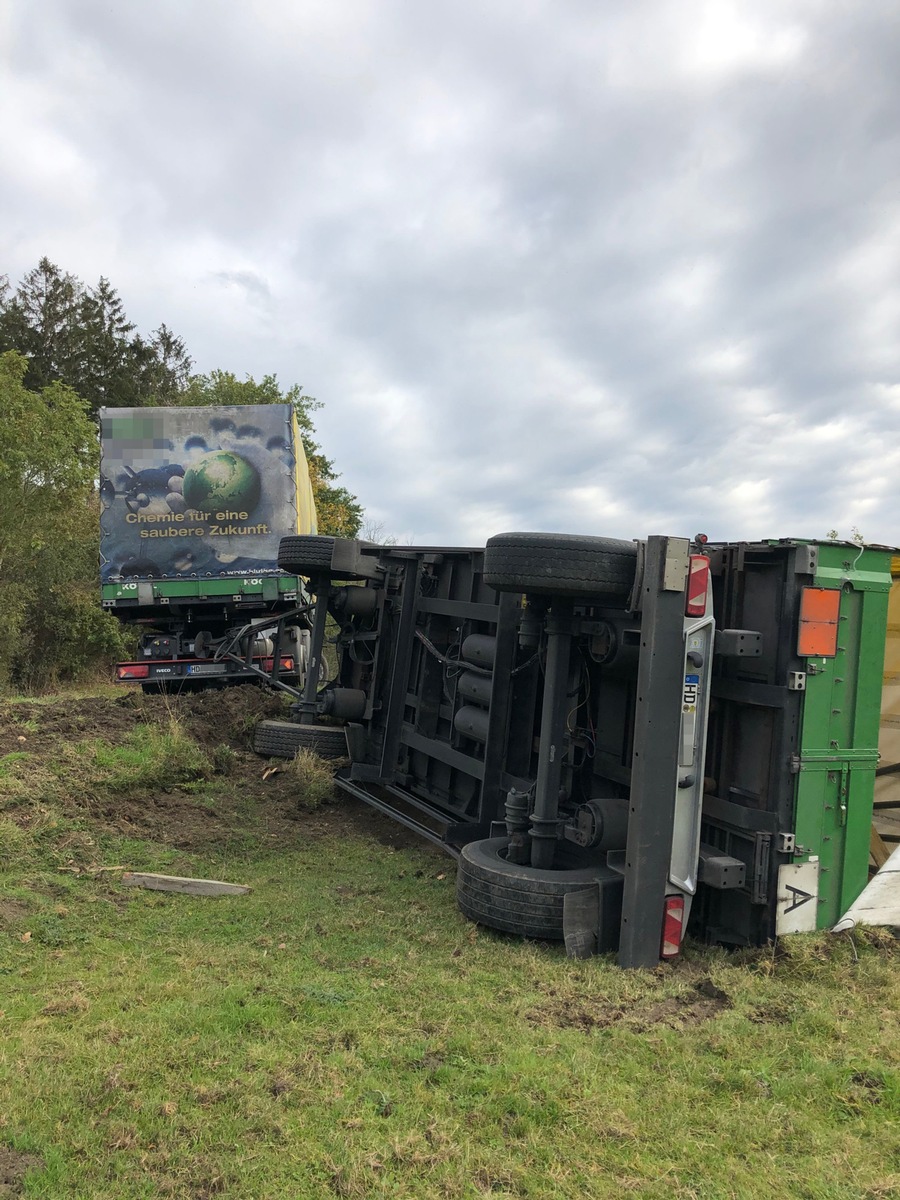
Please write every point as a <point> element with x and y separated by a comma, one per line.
<point>583,265</point>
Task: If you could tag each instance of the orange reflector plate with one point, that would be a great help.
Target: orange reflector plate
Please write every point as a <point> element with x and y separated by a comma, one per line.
<point>820,609</point>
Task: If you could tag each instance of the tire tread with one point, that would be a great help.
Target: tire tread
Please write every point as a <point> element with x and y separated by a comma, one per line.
<point>559,564</point>
<point>283,739</point>
<point>518,899</point>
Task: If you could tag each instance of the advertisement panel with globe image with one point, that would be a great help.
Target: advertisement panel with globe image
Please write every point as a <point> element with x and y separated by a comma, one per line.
<point>199,492</point>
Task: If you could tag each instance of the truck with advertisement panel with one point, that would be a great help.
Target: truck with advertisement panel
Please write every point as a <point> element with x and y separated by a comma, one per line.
<point>194,503</point>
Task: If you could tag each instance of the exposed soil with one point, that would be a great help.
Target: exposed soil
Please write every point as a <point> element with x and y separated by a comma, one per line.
<point>13,1166</point>
<point>12,911</point>
<point>252,799</point>
<point>587,1013</point>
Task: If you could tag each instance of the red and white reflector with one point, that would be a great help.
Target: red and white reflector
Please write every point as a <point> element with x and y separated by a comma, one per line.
<point>673,927</point>
<point>698,584</point>
<point>133,671</point>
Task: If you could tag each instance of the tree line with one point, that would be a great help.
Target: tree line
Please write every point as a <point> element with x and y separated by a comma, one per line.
<point>66,350</point>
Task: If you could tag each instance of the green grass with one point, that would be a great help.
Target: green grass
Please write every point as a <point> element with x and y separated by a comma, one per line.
<point>341,1031</point>
<point>149,757</point>
<point>9,761</point>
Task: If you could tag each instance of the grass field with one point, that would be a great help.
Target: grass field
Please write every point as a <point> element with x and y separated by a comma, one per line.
<point>342,1031</point>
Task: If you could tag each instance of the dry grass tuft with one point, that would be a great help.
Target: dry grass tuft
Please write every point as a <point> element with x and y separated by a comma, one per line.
<point>315,777</point>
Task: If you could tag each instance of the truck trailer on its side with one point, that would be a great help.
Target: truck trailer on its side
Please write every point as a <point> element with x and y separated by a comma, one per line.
<point>194,503</point>
<point>616,740</point>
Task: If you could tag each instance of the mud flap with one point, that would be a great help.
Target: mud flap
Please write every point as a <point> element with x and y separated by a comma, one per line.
<point>591,918</point>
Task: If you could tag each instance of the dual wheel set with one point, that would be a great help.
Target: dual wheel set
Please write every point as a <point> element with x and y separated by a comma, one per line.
<point>491,890</point>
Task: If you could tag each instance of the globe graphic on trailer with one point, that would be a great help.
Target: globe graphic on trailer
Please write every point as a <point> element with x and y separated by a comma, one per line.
<point>222,480</point>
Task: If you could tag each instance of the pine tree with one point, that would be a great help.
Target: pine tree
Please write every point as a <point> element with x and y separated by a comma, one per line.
<point>82,337</point>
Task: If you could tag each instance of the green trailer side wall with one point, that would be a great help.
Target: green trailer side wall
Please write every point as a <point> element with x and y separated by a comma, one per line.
<point>840,725</point>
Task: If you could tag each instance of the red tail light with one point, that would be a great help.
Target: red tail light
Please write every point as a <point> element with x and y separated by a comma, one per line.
<point>133,671</point>
<point>698,583</point>
<point>673,927</point>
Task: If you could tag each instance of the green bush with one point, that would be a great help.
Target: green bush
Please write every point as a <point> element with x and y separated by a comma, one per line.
<point>53,626</point>
<point>63,635</point>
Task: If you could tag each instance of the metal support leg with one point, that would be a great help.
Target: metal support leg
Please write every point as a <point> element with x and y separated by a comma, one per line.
<point>399,683</point>
<point>321,587</point>
<point>545,817</point>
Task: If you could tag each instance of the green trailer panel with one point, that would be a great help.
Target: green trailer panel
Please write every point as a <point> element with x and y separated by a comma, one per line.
<point>838,752</point>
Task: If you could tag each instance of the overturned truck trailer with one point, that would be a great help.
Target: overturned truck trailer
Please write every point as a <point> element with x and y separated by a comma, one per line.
<point>616,739</point>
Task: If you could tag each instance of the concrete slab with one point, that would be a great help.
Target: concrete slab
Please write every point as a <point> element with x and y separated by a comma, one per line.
<point>879,903</point>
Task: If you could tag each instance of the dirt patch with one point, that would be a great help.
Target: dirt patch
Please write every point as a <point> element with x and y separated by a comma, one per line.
<point>224,716</point>
<point>227,716</point>
<point>39,728</point>
<point>13,1167</point>
<point>246,805</point>
<point>12,911</point>
<point>865,1088</point>
<point>242,803</point>
<point>703,1002</point>
<point>772,1014</point>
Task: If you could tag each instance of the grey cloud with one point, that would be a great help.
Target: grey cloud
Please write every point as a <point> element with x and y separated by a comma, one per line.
<point>254,285</point>
<point>533,261</point>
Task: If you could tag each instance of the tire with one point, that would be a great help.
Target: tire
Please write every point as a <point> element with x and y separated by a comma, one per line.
<point>302,554</point>
<point>559,564</point>
<point>305,554</point>
<point>282,739</point>
<point>519,899</point>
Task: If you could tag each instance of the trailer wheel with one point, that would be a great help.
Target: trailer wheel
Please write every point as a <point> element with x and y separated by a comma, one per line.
<point>306,554</point>
<point>282,739</point>
<point>303,553</point>
<point>519,899</point>
<point>559,564</point>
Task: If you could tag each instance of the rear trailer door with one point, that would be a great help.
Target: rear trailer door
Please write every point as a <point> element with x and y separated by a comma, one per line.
<point>793,735</point>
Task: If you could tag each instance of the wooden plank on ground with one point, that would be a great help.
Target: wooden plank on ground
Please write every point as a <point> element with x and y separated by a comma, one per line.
<point>177,883</point>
